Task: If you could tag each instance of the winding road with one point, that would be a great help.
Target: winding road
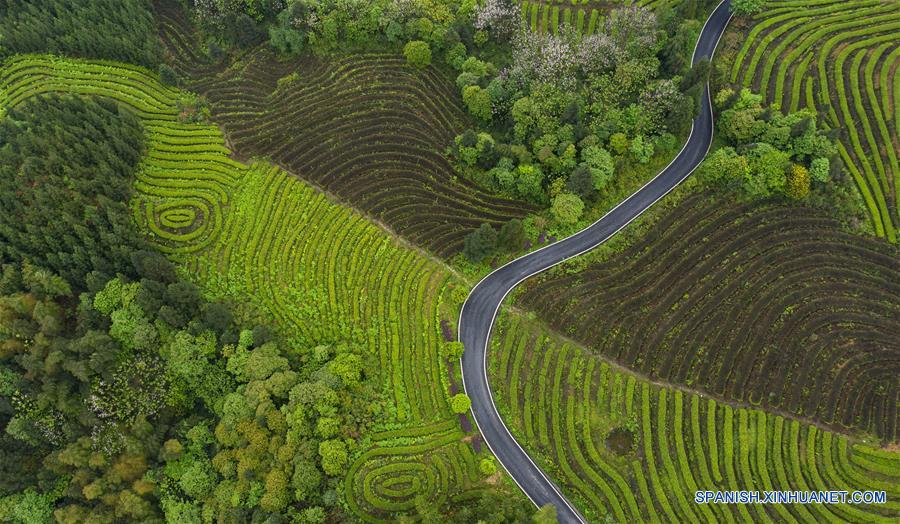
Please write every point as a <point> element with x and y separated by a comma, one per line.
<point>480,309</point>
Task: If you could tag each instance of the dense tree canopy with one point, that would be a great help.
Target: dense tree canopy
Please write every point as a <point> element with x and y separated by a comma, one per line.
<point>113,29</point>
<point>569,111</point>
<point>770,153</point>
<point>66,168</point>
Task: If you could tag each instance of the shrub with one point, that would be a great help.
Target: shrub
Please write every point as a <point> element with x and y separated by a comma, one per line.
<point>820,169</point>
<point>418,54</point>
<point>746,7</point>
<point>460,403</point>
<point>454,350</point>
<point>487,466</point>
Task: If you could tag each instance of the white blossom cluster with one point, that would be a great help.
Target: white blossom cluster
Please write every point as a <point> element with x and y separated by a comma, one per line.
<point>660,98</point>
<point>545,58</point>
<point>404,9</point>
<point>559,59</point>
<point>632,31</point>
<point>206,10</point>
<point>107,438</point>
<point>502,17</point>
<point>138,387</point>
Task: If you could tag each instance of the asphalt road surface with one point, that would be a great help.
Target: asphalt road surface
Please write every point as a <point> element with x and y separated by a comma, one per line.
<point>479,310</point>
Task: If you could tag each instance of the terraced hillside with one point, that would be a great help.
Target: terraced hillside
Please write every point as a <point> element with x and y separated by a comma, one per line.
<point>840,58</point>
<point>261,238</point>
<point>367,127</point>
<point>620,446</point>
<point>757,303</point>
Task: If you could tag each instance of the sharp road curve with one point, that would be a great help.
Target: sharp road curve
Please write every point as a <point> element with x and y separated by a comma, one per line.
<point>479,310</point>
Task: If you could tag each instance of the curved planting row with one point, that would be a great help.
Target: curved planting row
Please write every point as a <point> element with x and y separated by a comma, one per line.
<point>764,304</point>
<point>329,275</point>
<point>185,178</point>
<point>623,448</point>
<point>273,245</point>
<point>840,58</point>
<point>368,128</point>
<point>388,477</point>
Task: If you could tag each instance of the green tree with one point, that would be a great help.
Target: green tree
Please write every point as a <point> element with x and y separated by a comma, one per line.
<point>641,149</point>
<point>460,403</point>
<point>619,143</point>
<point>417,53</point>
<point>480,243</point>
<point>581,183</point>
<point>478,102</point>
<point>545,515</point>
<point>283,35</point>
<point>797,184</point>
<point>767,171</point>
<point>347,367</point>
<point>600,163</point>
<point>567,208</point>
<point>66,171</point>
<point>334,456</point>
<point>512,235</point>
<point>122,30</point>
<point>725,166</point>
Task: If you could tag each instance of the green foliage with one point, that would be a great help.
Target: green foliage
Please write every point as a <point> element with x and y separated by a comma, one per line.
<point>747,7</point>
<point>770,153</point>
<point>418,53</point>
<point>480,243</point>
<point>797,184</point>
<point>167,75</point>
<point>348,367</point>
<point>545,515</point>
<point>284,36</point>
<point>601,165</point>
<point>270,409</point>
<point>641,149</point>
<point>460,403</point>
<point>800,57</point>
<point>487,466</point>
<point>512,236</point>
<point>334,456</point>
<point>112,29</point>
<point>581,183</point>
<point>453,350</point>
<point>29,506</point>
<point>478,101</point>
<point>66,170</point>
<point>567,208</point>
<point>619,143</point>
